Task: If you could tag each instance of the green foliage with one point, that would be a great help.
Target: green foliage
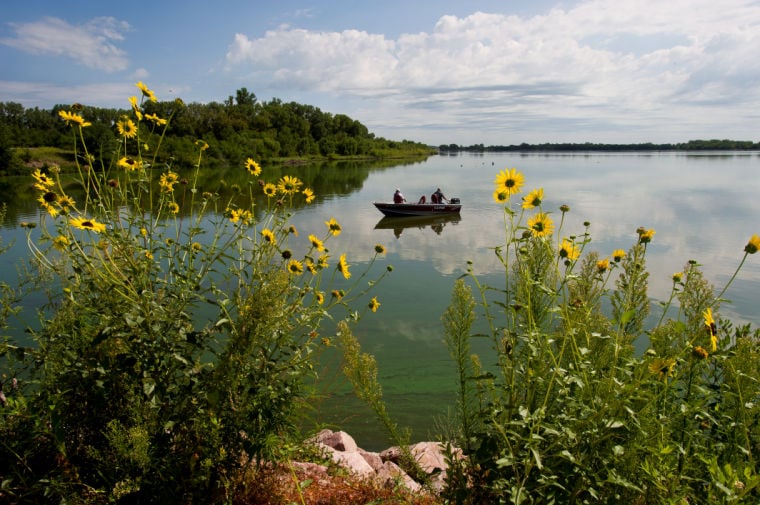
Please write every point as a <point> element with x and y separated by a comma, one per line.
<point>179,345</point>
<point>236,129</point>
<point>566,411</point>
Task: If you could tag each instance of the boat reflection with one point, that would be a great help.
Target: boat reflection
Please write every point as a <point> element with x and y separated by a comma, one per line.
<point>436,223</point>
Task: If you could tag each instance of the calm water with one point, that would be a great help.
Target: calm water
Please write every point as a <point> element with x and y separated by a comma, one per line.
<point>703,207</point>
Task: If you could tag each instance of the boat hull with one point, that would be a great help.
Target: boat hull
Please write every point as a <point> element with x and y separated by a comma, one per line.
<point>417,209</point>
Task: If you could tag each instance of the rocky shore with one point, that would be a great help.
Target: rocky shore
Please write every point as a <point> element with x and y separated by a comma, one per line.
<point>381,467</point>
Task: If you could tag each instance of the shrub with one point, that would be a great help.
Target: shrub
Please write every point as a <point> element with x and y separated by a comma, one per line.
<point>180,341</point>
<point>566,410</point>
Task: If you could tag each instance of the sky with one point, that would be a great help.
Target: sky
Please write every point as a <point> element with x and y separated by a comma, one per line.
<point>440,72</point>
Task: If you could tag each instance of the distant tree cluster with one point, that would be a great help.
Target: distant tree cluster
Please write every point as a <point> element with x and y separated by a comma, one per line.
<point>240,127</point>
<point>692,145</point>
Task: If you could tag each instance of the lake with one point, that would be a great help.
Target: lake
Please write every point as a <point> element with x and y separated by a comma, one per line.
<point>703,206</point>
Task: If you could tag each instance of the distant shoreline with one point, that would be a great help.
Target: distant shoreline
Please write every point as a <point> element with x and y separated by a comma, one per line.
<point>692,145</point>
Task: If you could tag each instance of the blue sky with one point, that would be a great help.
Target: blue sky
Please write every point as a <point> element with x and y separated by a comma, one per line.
<point>492,72</point>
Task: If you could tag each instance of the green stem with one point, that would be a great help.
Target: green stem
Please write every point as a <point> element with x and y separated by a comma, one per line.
<point>731,279</point>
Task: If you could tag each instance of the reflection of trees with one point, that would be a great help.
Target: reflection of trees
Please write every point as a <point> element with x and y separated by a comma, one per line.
<point>324,178</point>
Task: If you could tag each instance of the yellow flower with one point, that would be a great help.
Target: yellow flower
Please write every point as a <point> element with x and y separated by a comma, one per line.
<point>501,196</point>
<point>146,92</point>
<point>135,107</point>
<point>541,225</point>
<point>568,250</point>
<point>289,185</point>
<point>87,224</point>
<point>292,230</point>
<point>240,215</point>
<point>195,247</point>
<point>333,226</point>
<point>43,181</point>
<point>380,249</point>
<point>70,118</point>
<point>268,236</point>
<point>700,352</point>
<point>157,120</point>
<point>295,267</point>
<point>310,266</point>
<point>509,180</point>
<point>373,304</point>
<point>322,262</point>
<point>167,181</point>
<point>129,164</point>
<point>338,294</point>
<point>343,266</point>
<point>202,143</point>
<point>126,127</point>
<point>618,255</point>
<point>662,367</point>
<point>309,194</point>
<point>677,277</point>
<point>316,243</point>
<point>533,199</point>
<point>61,242</point>
<point>603,265</point>
<point>174,208</point>
<point>253,168</point>
<point>270,189</point>
<point>645,236</point>
<point>712,328</point>
<point>320,297</point>
<point>753,245</point>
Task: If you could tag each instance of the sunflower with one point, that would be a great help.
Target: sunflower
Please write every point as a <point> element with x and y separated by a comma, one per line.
<point>373,304</point>
<point>501,196</point>
<point>129,163</point>
<point>322,261</point>
<point>135,107</point>
<point>293,230</point>
<point>343,266</point>
<point>70,118</point>
<point>289,185</point>
<point>509,180</point>
<point>541,225</point>
<point>126,127</point>
<point>310,266</point>
<point>240,215</point>
<point>568,250</point>
<point>295,267</point>
<point>269,236</point>
<point>320,297</point>
<point>338,294</point>
<point>174,208</point>
<point>662,367</point>
<point>380,249</point>
<point>61,242</point>
<point>618,255</point>
<point>270,189</point>
<point>316,243</point>
<point>146,92</point>
<point>167,181</point>
<point>253,168</point>
<point>155,119</point>
<point>645,236</point>
<point>87,224</point>
<point>333,227</point>
<point>700,352</point>
<point>309,194</point>
<point>44,182</point>
<point>712,328</point>
<point>533,199</point>
<point>753,245</point>
<point>602,265</point>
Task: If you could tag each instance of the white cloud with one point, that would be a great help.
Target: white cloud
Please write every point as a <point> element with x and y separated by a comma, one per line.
<point>90,44</point>
<point>632,66</point>
<point>31,94</point>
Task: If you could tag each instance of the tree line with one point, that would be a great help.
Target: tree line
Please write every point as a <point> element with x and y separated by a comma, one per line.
<point>691,145</point>
<point>238,128</point>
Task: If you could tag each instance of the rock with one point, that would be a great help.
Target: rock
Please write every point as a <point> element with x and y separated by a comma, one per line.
<point>384,467</point>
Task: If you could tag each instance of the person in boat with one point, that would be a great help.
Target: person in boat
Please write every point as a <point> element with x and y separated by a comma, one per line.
<point>422,199</point>
<point>438,197</point>
<point>398,197</point>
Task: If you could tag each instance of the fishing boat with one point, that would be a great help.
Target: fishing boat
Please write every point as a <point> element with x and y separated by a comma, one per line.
<point>418,209</point>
